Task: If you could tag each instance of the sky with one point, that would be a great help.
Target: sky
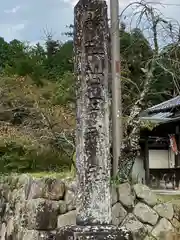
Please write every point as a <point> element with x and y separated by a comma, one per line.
<point>30,20</point>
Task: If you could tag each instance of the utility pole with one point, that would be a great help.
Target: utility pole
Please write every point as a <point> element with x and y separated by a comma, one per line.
<point>117,132</point>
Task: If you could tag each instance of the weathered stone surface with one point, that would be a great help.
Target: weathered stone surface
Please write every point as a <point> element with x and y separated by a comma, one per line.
<point>10,195</point>
<point>67,219</point>
<point>150,237</point>
<point>10,228</point>
<point>23,179</point>
<point>70,200</point>
<point>91,42</point>
<point>18,195</point>
<point>171,235</point>
<point>3,231</point>
<point>118,214</point>
<point>62,207</point>
<point>48,188</point>
<point>5,190</point>
<point>14,181</point>
<point>163,227</point>
<point>20,213</point>
<point>8,212</point>
<point>149,228</point>
<point>93,232</point>
<point>145,194</point>
<point>41,214</point>
<point>54,189</point>
<point>10,181</point>
<point>35,189</point>
<point>26,234</point>
<point>176,208</point>
<point>176,224</point>
<point>145,214</point>
<point>125,195</point>
<point>165,210</point>
<point>137,229</point>
<point>2,206</point>
<point>114,195</point>
<point>72,186</point>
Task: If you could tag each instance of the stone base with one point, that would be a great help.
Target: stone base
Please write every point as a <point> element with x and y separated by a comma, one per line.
<point>93,233</point>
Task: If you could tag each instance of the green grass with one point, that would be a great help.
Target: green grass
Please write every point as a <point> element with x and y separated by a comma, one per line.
<point>64,175</point>
<point>60,175</point>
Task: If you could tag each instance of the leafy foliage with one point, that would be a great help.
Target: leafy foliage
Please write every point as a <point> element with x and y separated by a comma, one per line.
<point>38,93</point>
<point>36,133</point>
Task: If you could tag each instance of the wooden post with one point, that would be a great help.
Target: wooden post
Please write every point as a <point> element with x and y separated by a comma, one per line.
<point>93,206</point>
<point>177,157</point>
<point>146,162</point>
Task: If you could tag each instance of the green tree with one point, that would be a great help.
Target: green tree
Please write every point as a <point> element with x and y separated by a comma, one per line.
<point>151,70</point>
<point>65,93</point>
<point>5,55</point>
<point>135,52</point>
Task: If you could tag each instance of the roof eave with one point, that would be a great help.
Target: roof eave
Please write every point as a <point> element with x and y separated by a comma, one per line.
<point>154,120</point>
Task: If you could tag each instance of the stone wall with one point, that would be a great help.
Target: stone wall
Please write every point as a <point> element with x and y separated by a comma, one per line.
<point>33,209</point>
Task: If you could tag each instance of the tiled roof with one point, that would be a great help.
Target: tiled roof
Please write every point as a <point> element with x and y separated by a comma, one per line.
<point>174,102</point>
<point>162,112</point>
<point>158,117</point>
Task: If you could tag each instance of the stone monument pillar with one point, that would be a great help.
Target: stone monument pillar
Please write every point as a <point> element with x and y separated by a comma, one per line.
<point>94,212</point>
<point>92,151</point>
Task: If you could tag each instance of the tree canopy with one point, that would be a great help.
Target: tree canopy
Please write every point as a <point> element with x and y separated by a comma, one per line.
<point>150,74</point>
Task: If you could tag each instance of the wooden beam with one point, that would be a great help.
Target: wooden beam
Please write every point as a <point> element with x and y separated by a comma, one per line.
<point>177,157</point>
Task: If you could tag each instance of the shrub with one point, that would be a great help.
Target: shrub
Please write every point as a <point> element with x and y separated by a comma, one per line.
<point>41,140</point>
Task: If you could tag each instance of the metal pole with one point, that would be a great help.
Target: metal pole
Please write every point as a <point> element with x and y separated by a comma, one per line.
<point>116,85</point>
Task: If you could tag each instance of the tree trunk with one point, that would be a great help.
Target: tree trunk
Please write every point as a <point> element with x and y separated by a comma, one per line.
<point>130,146</point>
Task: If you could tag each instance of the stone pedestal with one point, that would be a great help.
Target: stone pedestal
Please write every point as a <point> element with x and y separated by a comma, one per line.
<point>100,232</point>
